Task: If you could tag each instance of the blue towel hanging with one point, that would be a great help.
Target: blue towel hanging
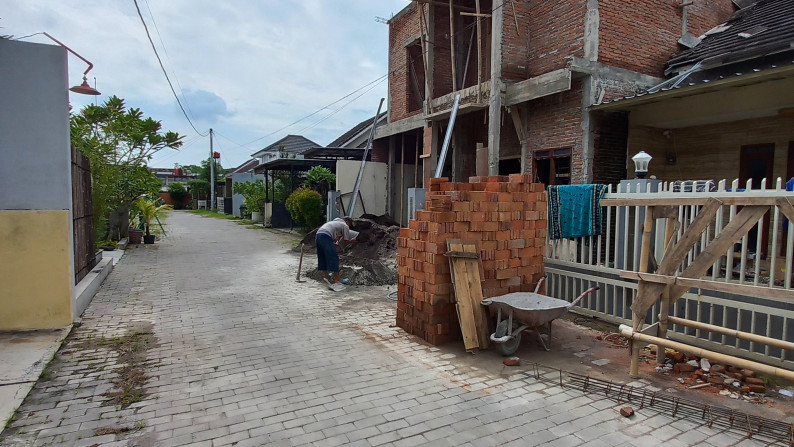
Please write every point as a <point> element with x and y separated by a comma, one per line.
<point>575,210</point>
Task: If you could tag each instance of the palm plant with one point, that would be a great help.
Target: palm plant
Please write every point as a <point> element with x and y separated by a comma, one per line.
<point>150,209</point>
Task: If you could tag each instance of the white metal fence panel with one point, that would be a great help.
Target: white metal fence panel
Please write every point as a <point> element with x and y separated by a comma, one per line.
<point>763,258</point>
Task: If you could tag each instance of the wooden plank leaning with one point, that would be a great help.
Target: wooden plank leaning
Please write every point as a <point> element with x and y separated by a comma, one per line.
<point>466,275</point>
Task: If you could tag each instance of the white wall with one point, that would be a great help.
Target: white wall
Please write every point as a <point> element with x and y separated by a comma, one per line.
<point>373,185</point>
<point>237,199</point>
<point>35,173</point>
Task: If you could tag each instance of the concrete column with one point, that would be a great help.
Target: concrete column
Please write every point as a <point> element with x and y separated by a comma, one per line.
<point>390,176</point>
<point>429,162</point>
<point>495,98</point>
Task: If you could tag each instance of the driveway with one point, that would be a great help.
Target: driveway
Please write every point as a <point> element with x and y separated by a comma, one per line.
<point>206,339</point>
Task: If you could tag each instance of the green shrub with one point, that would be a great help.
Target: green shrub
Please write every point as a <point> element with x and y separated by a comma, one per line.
<point>306,207</point>
<point>254,194</point>
<point>178,193</point>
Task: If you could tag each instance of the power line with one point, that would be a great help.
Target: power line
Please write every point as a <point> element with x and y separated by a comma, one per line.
<point>168,56</point>
<point>340,109</point>
<point>164,72</point>
<point>318,110</point>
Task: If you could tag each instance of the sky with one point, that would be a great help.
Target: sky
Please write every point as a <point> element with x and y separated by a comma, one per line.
<point>245,68</point>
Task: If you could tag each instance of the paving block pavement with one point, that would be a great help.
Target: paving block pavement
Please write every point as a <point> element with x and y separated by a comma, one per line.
<point>206,339</point>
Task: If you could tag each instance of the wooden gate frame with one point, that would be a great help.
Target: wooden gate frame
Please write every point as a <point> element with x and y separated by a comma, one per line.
<point>667,287</point>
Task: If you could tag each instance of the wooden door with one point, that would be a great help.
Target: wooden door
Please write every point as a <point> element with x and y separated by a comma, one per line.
<point>756,162</point>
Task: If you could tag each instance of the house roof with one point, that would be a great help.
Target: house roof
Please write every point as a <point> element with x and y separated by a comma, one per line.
<point>245,167</point>
<point>764,28</point>
<point>345,139</point>
<point>293,144</point>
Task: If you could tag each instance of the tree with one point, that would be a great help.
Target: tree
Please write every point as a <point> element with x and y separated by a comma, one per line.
<point>320,179</point>
<point>118,142</point>
<point>178,193</point>
<point>199,188</point>
<point>254,194</point>
<point>305,206</point>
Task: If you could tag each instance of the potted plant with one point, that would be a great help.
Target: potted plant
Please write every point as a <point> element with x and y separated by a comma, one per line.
<point>150,209</point>
<point>254,196</point>
<point>134,232</point>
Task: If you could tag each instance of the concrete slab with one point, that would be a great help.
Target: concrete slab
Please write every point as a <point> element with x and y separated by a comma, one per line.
<point>23,356</point>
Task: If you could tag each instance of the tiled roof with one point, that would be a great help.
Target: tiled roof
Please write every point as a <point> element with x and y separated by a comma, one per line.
<point>245,167</point>
<point>764,28</point>
<point>293,144</point>
<point>352,133</point>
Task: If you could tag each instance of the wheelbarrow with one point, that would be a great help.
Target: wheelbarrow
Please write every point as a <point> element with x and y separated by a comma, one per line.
<point>525,310</point>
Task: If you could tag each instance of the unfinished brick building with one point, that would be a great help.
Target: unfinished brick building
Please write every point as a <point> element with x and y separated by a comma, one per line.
<point>527,72</point>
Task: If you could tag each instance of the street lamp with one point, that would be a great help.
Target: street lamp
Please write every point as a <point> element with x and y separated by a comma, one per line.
<point>84,88</point>
<point>641,161</point>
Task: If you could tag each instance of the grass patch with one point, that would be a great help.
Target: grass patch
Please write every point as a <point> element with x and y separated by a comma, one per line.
<point>131,379</point>
<point>215,214</point>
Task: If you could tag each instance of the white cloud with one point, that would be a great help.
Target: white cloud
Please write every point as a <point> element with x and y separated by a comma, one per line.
<point>246,68</point>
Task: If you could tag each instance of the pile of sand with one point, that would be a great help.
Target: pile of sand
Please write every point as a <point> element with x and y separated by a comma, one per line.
<point>372,261</point>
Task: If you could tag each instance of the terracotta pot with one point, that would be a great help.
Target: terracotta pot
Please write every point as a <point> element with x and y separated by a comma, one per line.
<point>135,236</point>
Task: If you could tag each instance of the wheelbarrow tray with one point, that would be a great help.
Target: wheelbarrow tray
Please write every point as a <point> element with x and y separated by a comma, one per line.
<point>532,309</point>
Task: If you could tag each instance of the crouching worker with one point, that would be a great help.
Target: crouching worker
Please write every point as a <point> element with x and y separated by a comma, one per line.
<point>335,232</point>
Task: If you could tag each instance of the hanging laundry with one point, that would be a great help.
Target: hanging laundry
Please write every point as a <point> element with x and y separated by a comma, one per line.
<point>575,210</point>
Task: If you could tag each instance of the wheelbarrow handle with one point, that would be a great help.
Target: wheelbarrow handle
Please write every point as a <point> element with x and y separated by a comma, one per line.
<point>584,294</point>
<point>540,281</point>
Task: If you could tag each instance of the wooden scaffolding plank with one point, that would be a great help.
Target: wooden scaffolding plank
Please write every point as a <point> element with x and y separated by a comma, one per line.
<point>463,301</point>
<point>474,269</point>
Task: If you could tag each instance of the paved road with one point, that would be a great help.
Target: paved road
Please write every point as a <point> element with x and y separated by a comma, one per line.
<point>236,352</point>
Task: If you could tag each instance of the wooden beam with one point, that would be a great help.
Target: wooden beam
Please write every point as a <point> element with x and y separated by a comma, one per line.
<point>546,84</point>
<point>784,203</point>
<point>452,47</point>
<point>733,333</point>
<point>649,294</point>
<point>438,3</point>
<point>474,14</point>
<point>518,124</point>
<point>716,357</point>
<point>663,212</point>
<point>719,286</point>
<point>479,50</point>
<point>745,220</point>
<point>645,249</point>
<point>740,199</point>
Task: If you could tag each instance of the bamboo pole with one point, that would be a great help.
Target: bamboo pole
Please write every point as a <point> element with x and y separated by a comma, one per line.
<point>423,30</point>
<point>402,178</point>
<point>645,250</point>
<point>479,51</point>
<point>733,333</point>
<point>452,47</point>
<point>627,332</point>
<point>416,160</point>
<point>664,309</point>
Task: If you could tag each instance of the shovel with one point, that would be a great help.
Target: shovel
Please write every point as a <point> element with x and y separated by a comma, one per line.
<point>300,266</point>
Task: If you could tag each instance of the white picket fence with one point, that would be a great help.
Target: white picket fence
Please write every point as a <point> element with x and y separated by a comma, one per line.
<point>572,266</point>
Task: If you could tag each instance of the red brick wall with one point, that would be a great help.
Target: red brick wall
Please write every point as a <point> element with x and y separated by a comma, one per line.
<point>515,40</point>
<point>556,31</point>
<point>506,215</point>
<point>380,150</point>
<point>442,59</point>
<point>556,122</point>
<point>402,27</point>
<point>642,35</point>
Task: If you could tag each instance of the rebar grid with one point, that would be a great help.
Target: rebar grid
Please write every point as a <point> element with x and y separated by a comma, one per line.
<point>758,428</point>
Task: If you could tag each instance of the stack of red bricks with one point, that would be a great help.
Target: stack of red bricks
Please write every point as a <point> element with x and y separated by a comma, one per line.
<point>505,214</point>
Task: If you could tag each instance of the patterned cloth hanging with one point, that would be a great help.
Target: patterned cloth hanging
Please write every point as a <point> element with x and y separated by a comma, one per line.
<point>575,210</point>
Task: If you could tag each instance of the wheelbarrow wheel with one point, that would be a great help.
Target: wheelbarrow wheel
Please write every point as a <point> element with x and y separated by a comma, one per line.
<point>509,347</point>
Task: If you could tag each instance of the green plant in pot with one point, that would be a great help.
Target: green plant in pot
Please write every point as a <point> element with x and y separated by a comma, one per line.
<point>254,195</point>
<point>150,209</point>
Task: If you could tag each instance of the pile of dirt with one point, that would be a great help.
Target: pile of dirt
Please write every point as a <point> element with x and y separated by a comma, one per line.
<point>372,260</point>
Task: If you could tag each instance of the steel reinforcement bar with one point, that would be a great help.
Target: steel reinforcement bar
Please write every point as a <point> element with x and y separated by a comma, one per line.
<point>760,428</point>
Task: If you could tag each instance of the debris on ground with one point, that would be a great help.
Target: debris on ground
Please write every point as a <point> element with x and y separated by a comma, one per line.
<point>697,373</point>
<point>512,361</point>
<point>372,260</point>
<point>627,412</point>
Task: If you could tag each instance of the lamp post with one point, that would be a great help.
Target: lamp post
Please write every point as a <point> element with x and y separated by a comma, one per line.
<point>84,88</point>
<point>641,161</point>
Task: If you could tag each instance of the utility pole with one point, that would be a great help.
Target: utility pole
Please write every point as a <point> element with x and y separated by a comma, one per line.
<point>212,174</point>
